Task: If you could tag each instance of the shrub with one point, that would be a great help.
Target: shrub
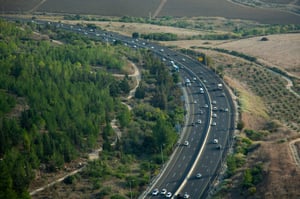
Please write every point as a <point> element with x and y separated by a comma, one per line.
<point>240,125</point>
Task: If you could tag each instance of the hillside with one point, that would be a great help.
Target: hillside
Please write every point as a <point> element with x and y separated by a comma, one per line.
<point>60,101</point>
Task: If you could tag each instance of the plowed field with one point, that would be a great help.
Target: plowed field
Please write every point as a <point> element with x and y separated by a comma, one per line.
<point>222,8</point>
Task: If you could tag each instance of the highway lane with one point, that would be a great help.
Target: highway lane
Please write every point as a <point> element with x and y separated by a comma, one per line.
<point>211,157</point>
<point>180,165</point>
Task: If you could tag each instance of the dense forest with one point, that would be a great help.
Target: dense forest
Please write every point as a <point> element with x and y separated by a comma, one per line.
<point>57,101</point>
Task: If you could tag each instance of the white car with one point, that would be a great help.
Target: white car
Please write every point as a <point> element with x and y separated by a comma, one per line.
<point>215,141</point>
<point>214,115</point>
<point>214,124</point>
<point>155,192</point>
<point>163,192</point>
<point>199,121</point>
<point>198,175</point>
<point>169,195</point>
<point>215,108</point>
<point>186,195</point>
<point>186,143</point>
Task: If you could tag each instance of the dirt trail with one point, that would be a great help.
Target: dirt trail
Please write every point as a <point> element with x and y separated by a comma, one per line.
<point>294,151</point>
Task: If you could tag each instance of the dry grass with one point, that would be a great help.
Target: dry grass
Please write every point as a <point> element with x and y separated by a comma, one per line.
<point>254,111</point>
<point>280,50</point>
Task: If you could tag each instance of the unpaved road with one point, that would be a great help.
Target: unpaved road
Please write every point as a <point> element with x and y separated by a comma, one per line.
<point>294,151</point>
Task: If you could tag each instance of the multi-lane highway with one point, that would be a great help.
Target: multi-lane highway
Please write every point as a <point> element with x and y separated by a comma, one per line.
<point>209,121</point>
<point>202,156</point>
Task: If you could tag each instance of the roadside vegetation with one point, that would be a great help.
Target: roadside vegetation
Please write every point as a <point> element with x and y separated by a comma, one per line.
<point>57,102</point>
<point>215,28</point>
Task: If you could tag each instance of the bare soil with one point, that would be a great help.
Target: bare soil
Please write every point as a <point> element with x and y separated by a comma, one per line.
<point>282,174</point>
<point>147,8</point>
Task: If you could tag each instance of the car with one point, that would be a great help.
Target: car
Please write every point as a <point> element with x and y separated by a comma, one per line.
<point>200,112</point>
<point>199,121</point>
<point>186,143</point>
<point>169,195</point>
<point>183,59</point>
<point>215,108</point>
<point>215,141</point>
<point>214,115</point>
<point>193,123</point>
<point>198,175</point>
<point>219,147</point>
<point>226,109</point>
<point>195,101</point>
<point>213,123</point>
<point>155,192</point>
<point>163,191</point>
<point>161,50</point>
<point>214,102</point>
<point>206,106</point>
<point>186,195</point>
<point>194,78</point>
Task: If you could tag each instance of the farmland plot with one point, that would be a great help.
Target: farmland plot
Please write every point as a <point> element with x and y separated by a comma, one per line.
<point>226,9</point>
<point>144,8</point>
<point>106,7</point>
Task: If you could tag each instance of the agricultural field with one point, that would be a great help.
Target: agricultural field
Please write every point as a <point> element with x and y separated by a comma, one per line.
<point>148,8</point>
<point>284,5</point>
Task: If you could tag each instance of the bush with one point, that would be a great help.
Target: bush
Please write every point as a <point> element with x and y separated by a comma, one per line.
<point>240,125</point>
<point>70,179</point>
<point>254,135</point>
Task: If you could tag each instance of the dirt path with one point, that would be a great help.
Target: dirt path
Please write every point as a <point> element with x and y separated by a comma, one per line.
<point>294,151</point>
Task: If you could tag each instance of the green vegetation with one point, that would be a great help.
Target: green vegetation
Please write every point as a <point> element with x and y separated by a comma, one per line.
<point>66,101</point>
<point>233,28</point>
<point>160,36</point>
<point>251,178</point>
